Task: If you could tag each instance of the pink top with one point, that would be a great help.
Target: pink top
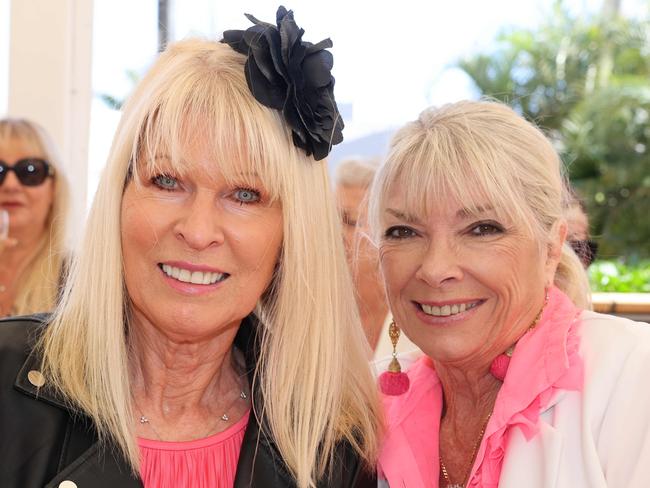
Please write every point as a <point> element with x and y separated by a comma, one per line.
<point>545,360</point>
<point>204,463</point>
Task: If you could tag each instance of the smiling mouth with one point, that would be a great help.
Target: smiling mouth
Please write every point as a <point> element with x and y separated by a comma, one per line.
<point>448,310</point>
<point>193,277</point>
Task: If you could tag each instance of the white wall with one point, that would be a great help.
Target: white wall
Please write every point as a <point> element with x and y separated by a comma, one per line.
<point>4,55</point>
<point>50,53</point>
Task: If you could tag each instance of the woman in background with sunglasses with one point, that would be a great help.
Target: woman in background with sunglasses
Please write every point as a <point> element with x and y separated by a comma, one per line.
<point>34,197</point>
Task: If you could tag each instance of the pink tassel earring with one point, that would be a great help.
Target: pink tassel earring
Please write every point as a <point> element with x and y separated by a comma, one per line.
<point>499,366</point>
<point>393,382</point>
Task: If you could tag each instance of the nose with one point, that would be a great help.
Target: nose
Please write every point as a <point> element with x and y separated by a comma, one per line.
<point>440,264</point>
<point>11,182</point>
<point>200,225</point>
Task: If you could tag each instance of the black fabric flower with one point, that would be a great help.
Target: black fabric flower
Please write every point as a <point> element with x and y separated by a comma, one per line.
<point>294,76</point>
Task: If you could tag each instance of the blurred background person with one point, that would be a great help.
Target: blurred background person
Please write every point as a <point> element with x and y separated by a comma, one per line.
<point>578,229</point>
<point>353,178</point>
<point>34,193</point>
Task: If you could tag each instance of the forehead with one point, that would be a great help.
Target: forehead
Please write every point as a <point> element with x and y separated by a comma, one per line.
<point>14,148</point>
<point>200,151</point>
<point>419,203</point>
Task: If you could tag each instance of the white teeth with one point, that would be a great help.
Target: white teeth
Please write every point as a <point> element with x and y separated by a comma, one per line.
<point>206,278</point>
<point>185,276</point>
<point>197,277</point>
<point>194,277</point>
<point>447,310</point>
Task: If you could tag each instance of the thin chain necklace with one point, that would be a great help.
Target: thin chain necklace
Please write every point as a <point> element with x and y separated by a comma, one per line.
<point>144,420</point>
<point>477,443</point>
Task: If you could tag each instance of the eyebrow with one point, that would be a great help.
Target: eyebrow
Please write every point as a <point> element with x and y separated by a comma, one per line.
<point>402,216</point>
<point>463,213</point>
<point>466,213</point>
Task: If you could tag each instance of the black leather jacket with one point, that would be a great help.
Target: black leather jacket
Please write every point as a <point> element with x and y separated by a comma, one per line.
<point>43,443</point>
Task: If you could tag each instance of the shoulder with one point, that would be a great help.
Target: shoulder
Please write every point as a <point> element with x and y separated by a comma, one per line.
<point>349,470</point>
<point>261,464</point>
<point>615,403</point>
<point>612,338</point>
<point>18,336</point>
<point>616,354</point>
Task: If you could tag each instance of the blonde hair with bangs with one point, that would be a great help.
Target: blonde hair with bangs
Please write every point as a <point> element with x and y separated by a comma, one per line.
<point>38,286</point>
<point>481,153</point>
<point>312,373</point>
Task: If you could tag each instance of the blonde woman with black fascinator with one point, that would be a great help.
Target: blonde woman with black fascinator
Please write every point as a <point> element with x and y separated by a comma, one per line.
<point>207,335</point>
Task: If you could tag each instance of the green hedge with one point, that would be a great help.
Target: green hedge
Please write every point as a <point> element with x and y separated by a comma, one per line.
<point>616,276</point>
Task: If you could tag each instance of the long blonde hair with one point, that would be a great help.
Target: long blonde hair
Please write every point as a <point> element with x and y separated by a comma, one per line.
<point>312,373</point>
<point>482,152</point>
<point>38,285</point>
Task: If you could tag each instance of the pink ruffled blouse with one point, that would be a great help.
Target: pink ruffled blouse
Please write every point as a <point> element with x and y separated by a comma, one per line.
<point>545,361</point>
<point>203,463</point>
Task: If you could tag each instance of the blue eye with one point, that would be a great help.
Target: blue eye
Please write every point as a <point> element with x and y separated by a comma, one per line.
<point>247,195</point>
<point>399,232</point>
<point>165,182</point>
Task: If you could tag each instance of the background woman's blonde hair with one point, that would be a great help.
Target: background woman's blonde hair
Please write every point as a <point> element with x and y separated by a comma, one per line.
<point>38,286</point>
<point>313,375</point>
<point>357,172</point>
<point>482,153</point>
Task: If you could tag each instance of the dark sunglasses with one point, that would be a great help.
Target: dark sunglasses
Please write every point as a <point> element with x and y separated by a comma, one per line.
<point>29,171</point>
<point>586,250</point>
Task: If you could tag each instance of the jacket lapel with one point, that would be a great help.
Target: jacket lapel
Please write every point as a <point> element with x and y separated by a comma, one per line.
<point>97,468</point>
<point>260,463</point>
<point>83,460</point>
<point>534,463</point>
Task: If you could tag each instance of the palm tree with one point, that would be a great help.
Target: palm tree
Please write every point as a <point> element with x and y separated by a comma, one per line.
<point>587,83</point>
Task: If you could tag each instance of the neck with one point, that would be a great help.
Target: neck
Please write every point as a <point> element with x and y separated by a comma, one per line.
<point>467,392</point>
<point>172,378</point>
<point>469,397</point>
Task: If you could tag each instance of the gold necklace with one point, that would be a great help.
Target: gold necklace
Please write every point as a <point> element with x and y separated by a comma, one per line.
<point>477,443</point>
<point>144,420</point>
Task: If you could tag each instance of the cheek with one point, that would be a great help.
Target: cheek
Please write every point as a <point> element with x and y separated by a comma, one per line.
<point>139,232</point>
<point>257,244</point>
<point>397,268</point>
<point>41,198</point>
<point>514,270</point>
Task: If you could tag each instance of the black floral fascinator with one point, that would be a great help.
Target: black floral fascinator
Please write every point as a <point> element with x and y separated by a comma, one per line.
<point>293,76</point>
